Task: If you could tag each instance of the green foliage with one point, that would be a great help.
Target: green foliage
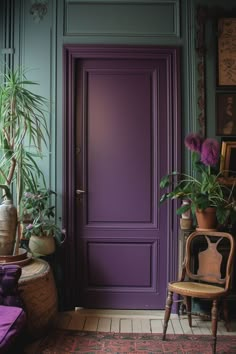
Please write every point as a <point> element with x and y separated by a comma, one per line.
<point>40,213</point>
<point>202,190</point>
<point>23,130</point>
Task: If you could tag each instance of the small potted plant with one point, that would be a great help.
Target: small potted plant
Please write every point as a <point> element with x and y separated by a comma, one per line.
<point>40,229</point>
<point>203,188</point>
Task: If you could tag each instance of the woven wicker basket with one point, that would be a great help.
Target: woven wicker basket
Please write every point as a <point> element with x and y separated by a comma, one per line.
<point>38,291</point>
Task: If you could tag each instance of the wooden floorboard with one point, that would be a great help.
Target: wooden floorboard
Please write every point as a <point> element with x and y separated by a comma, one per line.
<point>104,324</point>
<point>156,326</point>
<point>126,325</point>
<point>129,321</point>
<point>115,325</point>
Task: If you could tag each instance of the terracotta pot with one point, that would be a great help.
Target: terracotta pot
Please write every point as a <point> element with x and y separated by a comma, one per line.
<point>41,245</point>
<point>206,219</point>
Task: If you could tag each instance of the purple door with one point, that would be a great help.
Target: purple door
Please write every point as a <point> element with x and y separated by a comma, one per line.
<point>124,110</point>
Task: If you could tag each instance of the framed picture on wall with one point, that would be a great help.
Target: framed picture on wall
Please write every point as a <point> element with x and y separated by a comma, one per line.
<point>228,161</point>
<point>226,114</point>
<point>226,52</point>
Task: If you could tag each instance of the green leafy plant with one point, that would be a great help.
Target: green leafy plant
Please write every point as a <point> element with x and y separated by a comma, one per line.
<point>37,208</point>
<point>203,189</point>
<point>23,129</point>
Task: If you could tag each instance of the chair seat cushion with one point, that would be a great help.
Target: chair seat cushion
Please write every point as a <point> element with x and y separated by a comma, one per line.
<point>12,321</point>
<point>196,289</point>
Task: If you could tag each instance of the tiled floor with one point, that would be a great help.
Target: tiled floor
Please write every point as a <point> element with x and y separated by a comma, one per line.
<point>130,321</point>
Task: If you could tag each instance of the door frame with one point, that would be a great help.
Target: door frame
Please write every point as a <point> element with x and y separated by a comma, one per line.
<point>72,53</point>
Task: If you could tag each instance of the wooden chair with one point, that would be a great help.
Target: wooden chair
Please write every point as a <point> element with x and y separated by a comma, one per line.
<point>206,274</point>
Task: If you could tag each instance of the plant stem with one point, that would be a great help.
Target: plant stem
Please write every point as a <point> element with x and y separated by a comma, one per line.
<point>11,171</point>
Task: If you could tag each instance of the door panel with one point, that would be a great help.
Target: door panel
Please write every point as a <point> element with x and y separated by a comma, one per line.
<point>117,273</point>
<point>119,146</point>
<point>121,248</point>
<point>121,134</point>
<point>122,242</point>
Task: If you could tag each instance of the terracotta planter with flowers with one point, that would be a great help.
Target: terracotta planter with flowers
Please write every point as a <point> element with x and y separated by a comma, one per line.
<point>203,188</point>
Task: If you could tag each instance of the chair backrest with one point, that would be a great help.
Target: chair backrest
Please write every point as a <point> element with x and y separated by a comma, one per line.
<point>209,257</point>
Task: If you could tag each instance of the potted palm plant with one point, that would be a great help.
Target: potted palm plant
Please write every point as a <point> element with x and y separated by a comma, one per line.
<point>23,130</point>
<point>203,188</point>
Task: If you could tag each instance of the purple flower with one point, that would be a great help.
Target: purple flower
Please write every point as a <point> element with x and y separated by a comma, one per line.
<point>29,227</point>
<point>193,142</point>
<point>28,195</point>
<point>210,152</point>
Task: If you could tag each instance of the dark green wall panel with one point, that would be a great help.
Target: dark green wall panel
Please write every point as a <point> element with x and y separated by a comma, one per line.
<point>126,18</point>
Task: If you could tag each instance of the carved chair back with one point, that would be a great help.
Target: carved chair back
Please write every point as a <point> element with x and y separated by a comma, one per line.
<point>209,257</point>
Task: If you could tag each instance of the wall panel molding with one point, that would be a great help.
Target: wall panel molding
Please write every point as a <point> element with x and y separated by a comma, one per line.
<point>7,35</point>
<point>140,18</point>
<point>189,64</point>
<point>35,46</point>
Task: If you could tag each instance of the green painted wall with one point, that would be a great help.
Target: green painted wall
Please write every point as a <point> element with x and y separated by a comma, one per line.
<point>38,46</point>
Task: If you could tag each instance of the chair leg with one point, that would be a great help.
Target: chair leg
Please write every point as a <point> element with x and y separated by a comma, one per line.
<point>189,310</point>
<point>226,314</point>
<point>214,319</point>
<point>182,308</point>
<point>169,302</point>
